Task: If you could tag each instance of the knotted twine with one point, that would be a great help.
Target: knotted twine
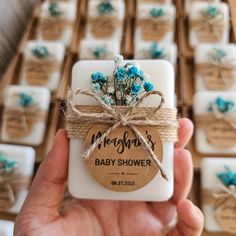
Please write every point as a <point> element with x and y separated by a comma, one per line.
<point>155,28</point>
<point>209,30</point>
<point>205,121</point>
<point>38,72</point>
<point>52,28</point>
<point>79,116</point>
<point>217,75</point>
<point>10,185</point>
<point>19,121</point>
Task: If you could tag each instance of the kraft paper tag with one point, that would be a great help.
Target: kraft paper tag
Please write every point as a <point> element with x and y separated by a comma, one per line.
<point>212,81</point>
<point>120,163</point>
<point>221,134</point>
<point>6,200</point>
<point>226,215</point>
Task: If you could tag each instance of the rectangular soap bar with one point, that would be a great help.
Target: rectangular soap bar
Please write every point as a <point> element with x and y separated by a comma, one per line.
<point>98,49</point>
<point>188,3</point>
<point>81,183</point>
<point>105,20</point>
<point>25,114</point>
<point>56,21</point>
<point>154,50</point>
<point>200,15</point>
<point>42,65</point>
<point>223,56</point>
<point>155,22</point>
<point>6,228</point>
<point>22,158</point>
<point>212,135</point>
<point>156,1</point>
<point>210,168</point>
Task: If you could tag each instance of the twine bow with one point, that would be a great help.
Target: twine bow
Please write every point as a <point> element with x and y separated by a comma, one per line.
<point>223,192</point>
<point>110,116</point>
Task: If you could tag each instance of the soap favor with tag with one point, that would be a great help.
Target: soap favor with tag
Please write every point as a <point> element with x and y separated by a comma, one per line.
<point>218,187</point>
<point>122,126</point>
<point>16,170</point>
<point>215,117</point>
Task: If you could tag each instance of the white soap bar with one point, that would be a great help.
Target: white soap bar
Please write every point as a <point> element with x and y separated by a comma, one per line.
<point>202,102</point>
<point>145,12</point>
<point>24,157</point>
<point>56,53</point>
<point>68,10</point>
<point>154,50</point>
<point>188,3</point>
<point>210,167</point>
<point>98,49</point>
<point>40,97</point>
<point>156,1</point>
<point>202,55</point>
<point>196,14</point>
<point>117,14</point>
<point>81,183</point>
<point>6,228</point>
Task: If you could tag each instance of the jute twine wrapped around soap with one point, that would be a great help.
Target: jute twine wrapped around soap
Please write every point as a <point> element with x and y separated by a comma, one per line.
<point>217,76</point>
<point>10,186</point>
<point>206,121</point>
<point>38,72</point>
<point>209,30</point>
<point>79,119</point>
<point>19,121</point>
<point>155,29</point>
<point>52,28</point>
<point>104,26</point>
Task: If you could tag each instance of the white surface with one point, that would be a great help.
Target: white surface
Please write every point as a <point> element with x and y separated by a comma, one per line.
<point>195,14</point>
<point>70,9</point>
<point>188,3</point>
<point>6,228</point>
<point>210,181</point>
<point>42,97</point>
<point>86,45</point>
<point>201,56</point>
<point>56,51</point>
<point>201,102</point>
<point>81,184</point>
<point>143,12</point>
<point>118,14</point>
<point>141,49</point>
<point>25,157</point>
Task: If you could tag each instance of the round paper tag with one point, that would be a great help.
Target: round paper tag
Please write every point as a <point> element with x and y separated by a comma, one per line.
<point>221,134</point>
<point>120,163</point>
<point>226,216</point>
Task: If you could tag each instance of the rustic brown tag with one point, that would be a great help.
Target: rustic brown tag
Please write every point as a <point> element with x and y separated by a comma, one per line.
<point>120,163</point>
<point>6,196</point>
<point>221,134</point>
<point>226,215</point>
<point>212,81</point>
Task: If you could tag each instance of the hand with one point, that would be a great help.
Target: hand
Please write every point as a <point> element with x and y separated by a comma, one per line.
<point>40,214</point>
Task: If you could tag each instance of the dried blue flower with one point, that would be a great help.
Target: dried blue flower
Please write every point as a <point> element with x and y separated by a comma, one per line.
<point>211,12</point>
<point>228,177</point>
<point>157,12</point>
<point>54,9</point>
<point>96,87</point>
<point>156,52</point>
<point>99,77</point>
<point>6,165</point>
<point>105,8</point>
<point>40,52</point>
<point>120,74</point>
<point>148,86</point>
<point>99,52</point>
<point>135,89</point>
<point>25,100</point>
<point>224,105</point>
<point>133,72</point>
<point>108,100</point>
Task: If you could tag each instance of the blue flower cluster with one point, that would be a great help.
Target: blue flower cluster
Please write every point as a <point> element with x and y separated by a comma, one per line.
<point>40,52</point>
<point>157,12</point>
<point>99,52</point>
<point>123,87</point>
<point>228,178</point>
<point>6,165</point>
<point>105,7</point>
<point>211,12</point>
<point>25,100</point>
<point>54,9</point>
<point>224,105</point>
<point>217,54</point>
<point>156,52</point>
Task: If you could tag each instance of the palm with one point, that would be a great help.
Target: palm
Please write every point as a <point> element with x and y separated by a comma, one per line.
<point>40,215</point>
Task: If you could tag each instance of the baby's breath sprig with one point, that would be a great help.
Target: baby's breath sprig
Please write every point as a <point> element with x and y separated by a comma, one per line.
<point>124,86</point>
